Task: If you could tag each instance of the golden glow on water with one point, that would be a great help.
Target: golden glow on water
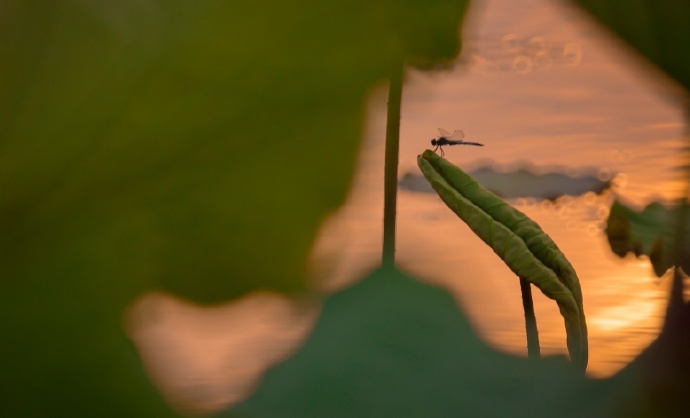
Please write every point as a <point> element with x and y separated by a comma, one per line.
<point>591,107</point>
<point>624,316</point>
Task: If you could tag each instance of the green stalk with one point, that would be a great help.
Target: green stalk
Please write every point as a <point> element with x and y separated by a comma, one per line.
<point>533,350</point>
<point>391,166</point>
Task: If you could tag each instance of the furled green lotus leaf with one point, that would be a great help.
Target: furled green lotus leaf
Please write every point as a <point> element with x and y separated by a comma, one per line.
<point>518,240</point>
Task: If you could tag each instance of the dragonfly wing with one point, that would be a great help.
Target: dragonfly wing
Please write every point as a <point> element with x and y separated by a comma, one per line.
<point>444,133</point>
<point>457,136</point>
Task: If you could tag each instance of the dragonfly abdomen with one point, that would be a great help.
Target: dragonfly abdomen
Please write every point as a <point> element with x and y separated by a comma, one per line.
<point>465,143</point>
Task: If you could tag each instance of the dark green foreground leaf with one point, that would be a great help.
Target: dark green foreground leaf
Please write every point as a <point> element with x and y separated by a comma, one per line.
<point>390,346</point>
<point>519,241</point>
<point>186,146</point>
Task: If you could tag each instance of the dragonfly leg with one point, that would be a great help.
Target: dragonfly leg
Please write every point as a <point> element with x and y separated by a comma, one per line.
<point>438,147</point>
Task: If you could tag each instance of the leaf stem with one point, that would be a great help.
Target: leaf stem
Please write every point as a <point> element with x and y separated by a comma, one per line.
<point>391,165</point>
<point>533,350</point>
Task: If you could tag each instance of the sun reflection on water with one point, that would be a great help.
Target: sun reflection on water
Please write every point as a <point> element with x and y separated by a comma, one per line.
<point>626,315</point>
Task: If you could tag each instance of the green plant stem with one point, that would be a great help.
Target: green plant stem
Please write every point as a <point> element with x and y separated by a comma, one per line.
<point>391,166</point>
<point>533,350</point>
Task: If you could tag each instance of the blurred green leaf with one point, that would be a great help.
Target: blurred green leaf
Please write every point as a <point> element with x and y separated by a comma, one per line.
<point>520,242</point>
<point>390,346</point>
<point>189,146</point>
<point>658,29</point>
<point>653,231</point>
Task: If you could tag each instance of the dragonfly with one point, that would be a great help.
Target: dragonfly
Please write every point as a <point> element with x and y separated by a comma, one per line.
<point>447,139</point>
